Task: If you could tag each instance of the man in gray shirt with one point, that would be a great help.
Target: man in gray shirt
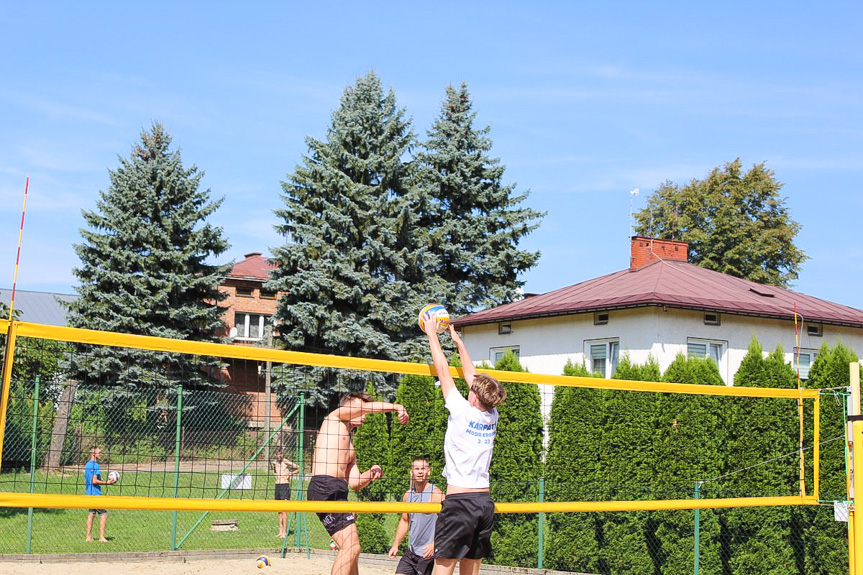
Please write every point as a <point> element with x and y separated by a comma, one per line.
<point>419,556</point>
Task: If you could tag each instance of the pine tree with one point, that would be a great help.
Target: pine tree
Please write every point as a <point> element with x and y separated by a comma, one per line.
<point>475,221</point>
<point>352,267</point>
<point>144,267</point>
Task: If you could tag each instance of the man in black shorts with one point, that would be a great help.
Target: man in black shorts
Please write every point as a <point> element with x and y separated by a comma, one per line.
<point>464,526</point>
<point>334,469</point>
<point>418,558</point>
<point>283,469</point>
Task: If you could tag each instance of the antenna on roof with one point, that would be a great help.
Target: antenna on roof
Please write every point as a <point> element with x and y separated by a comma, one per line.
<point>631,222</point>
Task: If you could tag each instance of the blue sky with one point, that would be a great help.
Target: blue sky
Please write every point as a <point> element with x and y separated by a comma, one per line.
<point>586,101</point>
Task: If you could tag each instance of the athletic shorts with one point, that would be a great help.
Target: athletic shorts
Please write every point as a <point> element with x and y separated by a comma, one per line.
<point>413,564</point>
<point>329,488</point>
<point>464,526</point>
<point>99,511</point>
<point>283,491</point>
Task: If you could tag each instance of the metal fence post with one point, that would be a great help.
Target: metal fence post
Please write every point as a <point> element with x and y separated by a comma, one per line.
<point>33,447</point>
<point>177,446</point>
<point>697,528</point>
<point>541,530</point>
<point>302,526</point>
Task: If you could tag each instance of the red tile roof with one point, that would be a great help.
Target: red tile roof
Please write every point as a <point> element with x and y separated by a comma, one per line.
<point>255,267</point>
<point>674,284</point>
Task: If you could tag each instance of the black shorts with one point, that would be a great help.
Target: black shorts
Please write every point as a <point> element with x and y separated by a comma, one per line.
<point>413,564</point>
<point>283,491</point>
<point>329,488</point>
<point>464,526</point>
<point>98,511</point>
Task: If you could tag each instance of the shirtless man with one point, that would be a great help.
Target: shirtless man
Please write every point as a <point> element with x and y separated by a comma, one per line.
<point>283,469</point>
<point>334,469</point>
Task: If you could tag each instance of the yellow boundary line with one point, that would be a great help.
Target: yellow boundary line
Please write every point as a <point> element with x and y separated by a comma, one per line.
<point>55,501</point>
<point>77,335</point>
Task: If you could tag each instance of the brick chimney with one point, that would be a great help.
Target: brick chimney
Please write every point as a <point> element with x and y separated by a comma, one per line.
<point>646,250</point>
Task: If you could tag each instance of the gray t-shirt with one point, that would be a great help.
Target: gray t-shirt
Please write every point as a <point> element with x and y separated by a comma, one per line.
<point>422,524</point>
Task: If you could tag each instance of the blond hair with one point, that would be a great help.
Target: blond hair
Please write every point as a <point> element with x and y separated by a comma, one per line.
<point>488,390</point>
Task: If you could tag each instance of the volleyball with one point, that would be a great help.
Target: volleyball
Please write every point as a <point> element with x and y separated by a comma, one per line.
<point>437,313</point>
<point>114,476</point>
<point>262,561</point>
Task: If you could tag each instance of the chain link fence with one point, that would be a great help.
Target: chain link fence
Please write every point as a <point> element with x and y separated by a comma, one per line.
<point>210,428</point>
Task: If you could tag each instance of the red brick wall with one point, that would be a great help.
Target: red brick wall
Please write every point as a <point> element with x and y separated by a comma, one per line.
<point>234,302</point>
<point>646,250</point>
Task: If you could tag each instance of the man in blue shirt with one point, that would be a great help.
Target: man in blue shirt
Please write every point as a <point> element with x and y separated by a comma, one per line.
<point>93,486</point>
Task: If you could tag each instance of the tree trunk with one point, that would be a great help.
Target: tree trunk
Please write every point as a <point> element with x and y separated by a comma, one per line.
<point>61,422</point>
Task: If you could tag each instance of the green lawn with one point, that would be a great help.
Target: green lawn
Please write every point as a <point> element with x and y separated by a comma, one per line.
<point>63,530</point>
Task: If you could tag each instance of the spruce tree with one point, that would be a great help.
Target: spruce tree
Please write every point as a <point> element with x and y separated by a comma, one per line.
<point>144,267</point>
<point>475,220</point>
<point>352,267</point>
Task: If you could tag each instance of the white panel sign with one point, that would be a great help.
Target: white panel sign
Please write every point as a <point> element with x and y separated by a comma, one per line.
<point>230,481</point>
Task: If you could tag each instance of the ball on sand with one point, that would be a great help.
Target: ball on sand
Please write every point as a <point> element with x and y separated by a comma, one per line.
<point>434,312</point>
<point>262,561</point>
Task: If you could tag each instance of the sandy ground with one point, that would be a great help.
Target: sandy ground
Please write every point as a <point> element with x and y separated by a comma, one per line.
<point>290,565</point>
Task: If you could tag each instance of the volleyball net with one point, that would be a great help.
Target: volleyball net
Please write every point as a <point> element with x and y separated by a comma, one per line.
<point>600,475</point>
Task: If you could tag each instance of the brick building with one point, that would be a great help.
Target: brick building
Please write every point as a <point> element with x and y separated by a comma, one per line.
<point>248,312</point>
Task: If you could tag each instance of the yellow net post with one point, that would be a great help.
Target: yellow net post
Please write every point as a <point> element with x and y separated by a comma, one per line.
<point>855,520</point>
<point>6,382</point>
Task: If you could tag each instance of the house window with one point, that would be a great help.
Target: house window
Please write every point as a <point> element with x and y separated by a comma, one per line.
<point>603,356</point>
<point>251,326</point>
<point>504,328</point>
<point>803,360</point>
<point>712,349</point>
<point>814,329</point>
<point>600,318</point>
<point>244,292</point>
<point>267,294</point>
<point>711,318</point>
<point>495,354</point>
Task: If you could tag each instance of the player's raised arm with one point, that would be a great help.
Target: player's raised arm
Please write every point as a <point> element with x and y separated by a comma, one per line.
<point>467,366</point>
<point>357,405</point>
<point>441,365</point>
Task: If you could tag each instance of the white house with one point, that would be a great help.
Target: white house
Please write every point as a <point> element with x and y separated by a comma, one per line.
<point>660,306</point>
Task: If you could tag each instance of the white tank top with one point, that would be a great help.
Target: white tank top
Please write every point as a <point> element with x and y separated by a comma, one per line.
<point>468,442</point>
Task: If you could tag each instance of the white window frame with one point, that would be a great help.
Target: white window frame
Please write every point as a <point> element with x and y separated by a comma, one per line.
<point>611,351</point>
<point>243,321</point>
<point>715,349</point>
<point>810,355</point>
<point>496,353</point>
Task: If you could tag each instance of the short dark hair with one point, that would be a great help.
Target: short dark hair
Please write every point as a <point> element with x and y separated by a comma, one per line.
<point>348,397</point>
<point>420,458</point>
